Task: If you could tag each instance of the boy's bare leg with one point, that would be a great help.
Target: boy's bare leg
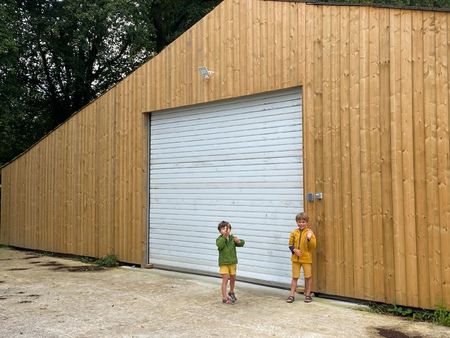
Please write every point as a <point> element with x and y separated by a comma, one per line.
<point>232,282</point>
<point>293,286</point>
<point>224,286</point>
<point>308,284</point>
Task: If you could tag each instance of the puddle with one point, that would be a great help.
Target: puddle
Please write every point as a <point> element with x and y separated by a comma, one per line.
<point>391,333</point>
<point>52,263</point>
<point>83,268</point>
<point>86,268</point>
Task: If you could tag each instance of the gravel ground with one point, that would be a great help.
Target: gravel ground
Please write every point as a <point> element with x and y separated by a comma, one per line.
<point>42,296</point>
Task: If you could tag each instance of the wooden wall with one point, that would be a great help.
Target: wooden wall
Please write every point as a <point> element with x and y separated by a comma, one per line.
<point>377,138</point>
<point>81,190</point>
<point>375,84</point>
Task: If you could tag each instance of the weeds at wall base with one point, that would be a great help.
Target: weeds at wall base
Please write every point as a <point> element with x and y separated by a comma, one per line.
<point>440,316</point>
<point>107,261</point>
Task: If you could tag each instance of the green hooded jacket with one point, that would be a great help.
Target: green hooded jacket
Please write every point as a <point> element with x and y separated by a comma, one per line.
<point>227,250</point>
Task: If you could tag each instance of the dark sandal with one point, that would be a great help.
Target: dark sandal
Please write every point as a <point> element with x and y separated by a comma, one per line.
<point>290,299</point>
<point>227,301</point>
<point>308,299</point>
<point>232,296</point>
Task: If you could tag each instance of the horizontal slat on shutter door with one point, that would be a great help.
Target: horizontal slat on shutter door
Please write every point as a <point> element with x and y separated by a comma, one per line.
<point>238,160</point>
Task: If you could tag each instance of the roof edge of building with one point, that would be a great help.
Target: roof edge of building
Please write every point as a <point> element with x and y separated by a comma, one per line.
<point>362,4</point>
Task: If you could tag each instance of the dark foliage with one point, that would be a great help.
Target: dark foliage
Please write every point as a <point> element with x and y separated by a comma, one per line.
<point>58,55</point>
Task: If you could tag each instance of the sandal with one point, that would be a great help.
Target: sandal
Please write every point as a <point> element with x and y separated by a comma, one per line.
<point>227,301</point>
<point>308,299</point>
<point>290,299</point>
<point>232,296</point>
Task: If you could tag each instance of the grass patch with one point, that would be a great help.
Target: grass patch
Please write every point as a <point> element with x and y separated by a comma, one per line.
<point>440,316</point>
<point>108,261</point>
<point>4,246</point>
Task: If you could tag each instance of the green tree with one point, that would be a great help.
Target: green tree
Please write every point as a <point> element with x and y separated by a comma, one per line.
<point>75,49</point>
<point>171,18</point>
<point>23,118</point>
<point>58,55</point>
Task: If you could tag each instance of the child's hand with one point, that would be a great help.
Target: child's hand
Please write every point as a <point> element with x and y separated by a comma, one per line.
<point>309,235</point>
<point>297,252</point>
<point>236,239</point>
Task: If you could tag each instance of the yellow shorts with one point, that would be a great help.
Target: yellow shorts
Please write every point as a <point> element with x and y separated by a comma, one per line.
<point>307,269</point>
<point>229,269</point>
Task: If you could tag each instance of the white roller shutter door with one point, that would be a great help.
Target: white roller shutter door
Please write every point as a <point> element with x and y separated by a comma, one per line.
<point>238,160</point>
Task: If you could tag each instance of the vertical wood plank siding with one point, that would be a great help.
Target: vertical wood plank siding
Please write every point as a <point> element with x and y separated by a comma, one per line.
<point>376,115</point>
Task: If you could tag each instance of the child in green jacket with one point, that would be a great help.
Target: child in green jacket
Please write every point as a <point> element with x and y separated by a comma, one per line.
<point>226,244</point>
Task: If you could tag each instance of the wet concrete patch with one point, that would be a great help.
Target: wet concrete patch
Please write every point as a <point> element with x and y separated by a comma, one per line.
<point>86,268</point>
<point>392,333</point>
<point>51,263</point>
<point>31,257</point>
<point>82,268</point>
<point>55,266</point>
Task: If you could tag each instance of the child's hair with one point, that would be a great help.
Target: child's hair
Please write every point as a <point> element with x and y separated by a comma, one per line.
<point>301,216</point>
<point>223,224</point>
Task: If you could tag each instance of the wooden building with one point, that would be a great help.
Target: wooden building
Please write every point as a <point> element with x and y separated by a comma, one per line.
<point>342,111</point>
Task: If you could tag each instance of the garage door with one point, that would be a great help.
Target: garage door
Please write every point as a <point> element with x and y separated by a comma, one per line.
<point>238,160</point>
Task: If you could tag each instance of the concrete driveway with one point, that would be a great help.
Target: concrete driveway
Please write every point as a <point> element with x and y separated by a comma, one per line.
<point>53,297</point>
